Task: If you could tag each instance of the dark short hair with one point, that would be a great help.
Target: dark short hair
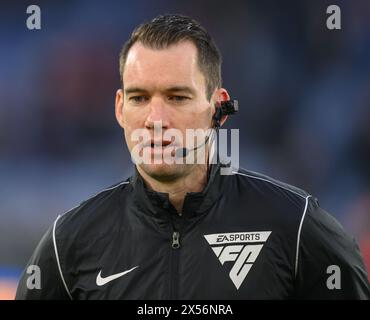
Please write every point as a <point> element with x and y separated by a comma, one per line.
<point>165,30</point>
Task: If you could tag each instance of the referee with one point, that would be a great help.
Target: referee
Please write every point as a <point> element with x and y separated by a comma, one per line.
<point>182,230</point>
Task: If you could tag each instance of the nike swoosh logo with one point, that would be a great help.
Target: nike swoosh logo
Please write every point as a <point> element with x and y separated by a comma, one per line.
<point>102,281</point>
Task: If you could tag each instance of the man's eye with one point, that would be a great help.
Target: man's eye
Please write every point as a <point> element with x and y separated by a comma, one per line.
<point>177,98</point>
<point>138,99</point>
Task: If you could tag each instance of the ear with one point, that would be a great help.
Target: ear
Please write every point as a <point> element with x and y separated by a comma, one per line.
<point>218,96</point>
<point>119,108</point>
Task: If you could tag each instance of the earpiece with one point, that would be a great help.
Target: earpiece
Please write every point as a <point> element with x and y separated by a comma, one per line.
<point>228,107</point>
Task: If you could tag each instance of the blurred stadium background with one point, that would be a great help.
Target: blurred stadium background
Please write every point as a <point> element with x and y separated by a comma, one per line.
<point>304,93</point>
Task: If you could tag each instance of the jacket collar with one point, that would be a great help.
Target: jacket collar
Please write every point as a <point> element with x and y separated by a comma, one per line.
<point>195,203</point>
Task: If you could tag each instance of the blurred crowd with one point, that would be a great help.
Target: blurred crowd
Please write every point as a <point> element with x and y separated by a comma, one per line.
<point>303,91</point>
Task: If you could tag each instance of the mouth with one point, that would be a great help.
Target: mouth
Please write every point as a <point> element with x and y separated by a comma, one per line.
<point>159,150</point>
<point>161,143</point>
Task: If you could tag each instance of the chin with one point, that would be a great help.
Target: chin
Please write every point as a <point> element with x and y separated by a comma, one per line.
<point>164,172</point>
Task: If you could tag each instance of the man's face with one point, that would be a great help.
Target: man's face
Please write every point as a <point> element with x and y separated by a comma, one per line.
<point>163,85</point>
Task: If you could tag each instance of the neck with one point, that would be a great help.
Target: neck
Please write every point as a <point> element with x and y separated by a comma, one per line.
<point>194,181</point>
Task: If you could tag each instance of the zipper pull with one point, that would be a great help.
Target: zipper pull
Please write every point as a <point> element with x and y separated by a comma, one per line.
<point>175,240</point>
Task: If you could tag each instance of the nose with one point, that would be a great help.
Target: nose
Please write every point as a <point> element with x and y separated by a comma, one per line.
<point>158,112</point>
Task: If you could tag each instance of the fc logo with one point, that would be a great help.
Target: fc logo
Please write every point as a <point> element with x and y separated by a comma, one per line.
<point>237,250</point>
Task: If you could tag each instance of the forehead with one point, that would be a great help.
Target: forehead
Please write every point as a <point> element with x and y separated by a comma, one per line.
<point>157,68</point>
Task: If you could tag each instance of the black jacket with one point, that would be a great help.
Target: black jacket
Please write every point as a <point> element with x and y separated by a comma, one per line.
<point>246,236</point>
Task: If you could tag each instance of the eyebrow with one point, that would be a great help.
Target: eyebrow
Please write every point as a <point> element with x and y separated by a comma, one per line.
<point>181,89</point>
<point>135,90</point>
<point>169,89</point>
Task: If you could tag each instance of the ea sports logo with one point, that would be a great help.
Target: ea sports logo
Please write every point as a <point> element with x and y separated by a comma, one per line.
<point>233,247</point>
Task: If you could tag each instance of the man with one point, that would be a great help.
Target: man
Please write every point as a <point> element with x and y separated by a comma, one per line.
<point>183,230</point>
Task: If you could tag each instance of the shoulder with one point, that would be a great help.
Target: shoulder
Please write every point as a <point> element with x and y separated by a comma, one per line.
<point>277,204</point>
<point>270,189</point>
<point>321,230</point>
<point>268,202</point>
<point>91,211</point>
<point>325,247</point>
